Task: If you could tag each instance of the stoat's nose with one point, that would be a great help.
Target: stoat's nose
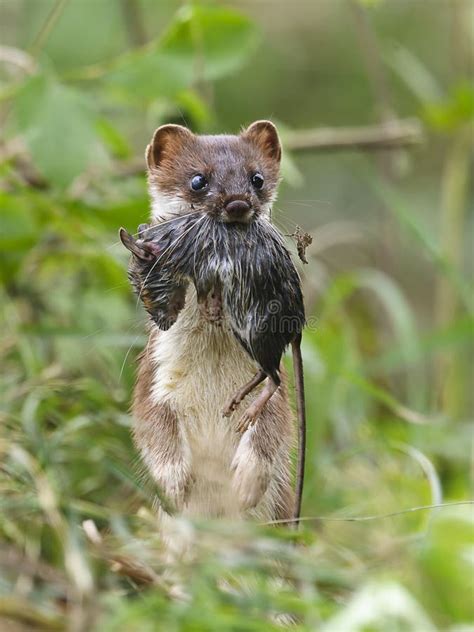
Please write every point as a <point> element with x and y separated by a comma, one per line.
<point>237,211</point>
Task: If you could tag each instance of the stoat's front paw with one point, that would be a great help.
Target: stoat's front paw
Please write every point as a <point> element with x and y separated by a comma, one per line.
<point>251,476</point>
<point>175,481</point>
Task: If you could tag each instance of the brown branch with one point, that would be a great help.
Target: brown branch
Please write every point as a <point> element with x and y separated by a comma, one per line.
<point>390,135</point>
<point>386,136</point>
<point>137,571</point>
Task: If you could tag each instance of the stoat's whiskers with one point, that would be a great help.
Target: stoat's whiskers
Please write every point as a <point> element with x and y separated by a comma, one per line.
<point>166,221</point>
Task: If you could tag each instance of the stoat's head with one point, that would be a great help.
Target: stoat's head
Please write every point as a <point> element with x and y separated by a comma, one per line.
<point>231,178</point>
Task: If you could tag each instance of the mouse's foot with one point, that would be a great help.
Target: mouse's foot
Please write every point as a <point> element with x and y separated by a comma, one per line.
<point>238,397</point>
<point>252,413</point>
<point>234,402</point>
<point>248,419</point>
<point>231,405</point>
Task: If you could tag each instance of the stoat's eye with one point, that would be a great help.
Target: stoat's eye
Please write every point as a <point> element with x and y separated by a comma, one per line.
<point>198,182</point>
<point>257,180</point>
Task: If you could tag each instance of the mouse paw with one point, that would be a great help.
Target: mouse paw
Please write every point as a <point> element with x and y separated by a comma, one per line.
<point>231,406</point>
<point>251,477</point>
<point>248,419</point>
<point>142,230</point>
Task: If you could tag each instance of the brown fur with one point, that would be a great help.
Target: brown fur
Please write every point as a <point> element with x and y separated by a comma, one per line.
<point>174,156</point>
<point>254,470</point>
<point>156,432</point>
<point>154,423</point>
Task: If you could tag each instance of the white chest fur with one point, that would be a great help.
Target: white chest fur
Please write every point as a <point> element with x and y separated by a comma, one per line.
<point>199,366</point>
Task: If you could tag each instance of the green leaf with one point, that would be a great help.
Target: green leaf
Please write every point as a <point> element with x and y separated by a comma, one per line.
<point>406,215</point>
<point>416,76</point>
<point>58,126</point>
<point>383,605</point>
<point>202,43</point>
<point>150,74</point>
<point>448,562</point>
<point>19,231</point>
<point>457,334</point>
<point>193,106</point>
<point>454,112</point>
<point>398,312</point>
<point>111,136</point>
<point>215,41</point>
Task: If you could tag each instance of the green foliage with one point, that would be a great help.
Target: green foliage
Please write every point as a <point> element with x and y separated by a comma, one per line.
<point>202,43</point>
<point>382,436</point>
<point>455,112</point>
<point>61,126</point>
<point>210,41</point>
<point>57,123</point>
<point>442,112</point>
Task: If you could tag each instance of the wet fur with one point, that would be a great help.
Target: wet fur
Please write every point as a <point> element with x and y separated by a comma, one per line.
<point>250,264</point>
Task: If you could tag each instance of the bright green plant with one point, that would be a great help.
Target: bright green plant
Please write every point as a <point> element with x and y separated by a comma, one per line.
<point>381,439</point>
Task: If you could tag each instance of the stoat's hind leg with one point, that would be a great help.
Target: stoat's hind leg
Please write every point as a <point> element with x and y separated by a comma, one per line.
<point>238,397</point>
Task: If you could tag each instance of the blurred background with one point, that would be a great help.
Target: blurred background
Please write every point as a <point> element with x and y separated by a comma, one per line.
<point>375,103</point>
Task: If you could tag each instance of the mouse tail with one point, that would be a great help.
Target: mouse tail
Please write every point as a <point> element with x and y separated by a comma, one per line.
<point>301,413</point>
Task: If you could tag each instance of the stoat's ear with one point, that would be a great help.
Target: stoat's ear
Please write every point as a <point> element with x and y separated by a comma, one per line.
<point>264,134</point>
<point>166,140</point>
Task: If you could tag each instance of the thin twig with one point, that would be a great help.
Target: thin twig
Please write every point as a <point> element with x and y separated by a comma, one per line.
<point>386,136</point>
<point>373,517</point>
<point>134,22</point>
<point>391,135</point>
<point>48,25</point>
<point>124,565</point>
